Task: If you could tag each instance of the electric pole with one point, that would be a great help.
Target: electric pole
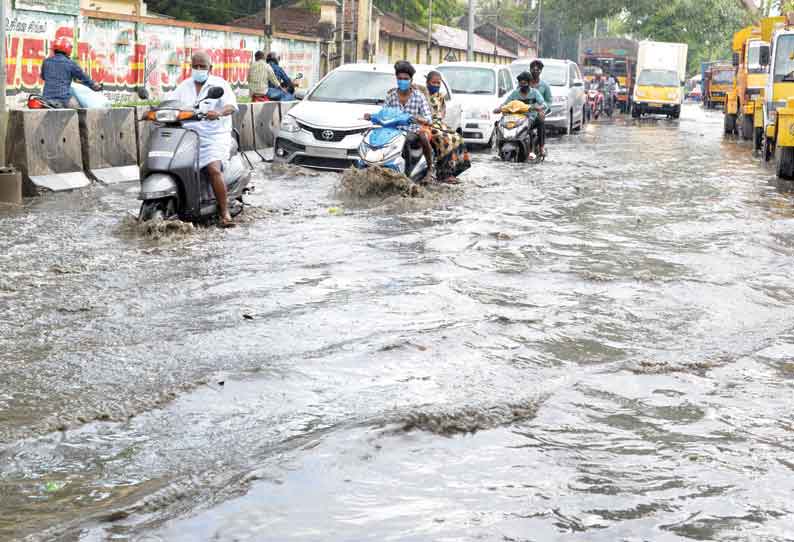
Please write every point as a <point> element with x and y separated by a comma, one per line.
<point>470,39</point>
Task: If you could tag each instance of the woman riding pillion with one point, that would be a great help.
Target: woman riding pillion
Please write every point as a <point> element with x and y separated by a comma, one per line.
<point>452,158</point>
<point>412,101</point>
<point>538,107</point>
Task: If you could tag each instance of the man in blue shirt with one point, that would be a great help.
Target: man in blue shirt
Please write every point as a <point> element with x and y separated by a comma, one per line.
<point>287,90</point>
<point>58,72</point>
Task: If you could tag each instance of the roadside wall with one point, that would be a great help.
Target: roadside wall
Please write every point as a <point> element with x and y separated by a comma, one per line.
<point>125,52</point>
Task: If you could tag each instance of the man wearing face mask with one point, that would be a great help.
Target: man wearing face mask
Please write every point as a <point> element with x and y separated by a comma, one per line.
<point>410,100</point>
<point>538,107</point>
<point>215,132</point>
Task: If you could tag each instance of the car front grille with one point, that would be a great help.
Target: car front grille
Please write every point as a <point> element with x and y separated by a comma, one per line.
<point>331,136</point>
<point>323,163</point>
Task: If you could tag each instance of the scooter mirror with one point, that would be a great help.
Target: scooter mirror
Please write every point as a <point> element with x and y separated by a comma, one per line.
<point>214,93</point>
<point>299,76</point>
<point>143,94</point>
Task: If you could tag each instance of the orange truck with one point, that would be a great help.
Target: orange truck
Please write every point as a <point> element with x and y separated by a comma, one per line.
<point>613,56</point>
<point>720,83</point>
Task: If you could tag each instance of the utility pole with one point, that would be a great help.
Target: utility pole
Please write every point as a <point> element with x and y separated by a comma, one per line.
<point>371,46</point>
<point>268,27</point>
<point>429,32</point>
<point>3,109</point>
<point>470,39</point>
<point>342,43</point>
<point>540,24</point>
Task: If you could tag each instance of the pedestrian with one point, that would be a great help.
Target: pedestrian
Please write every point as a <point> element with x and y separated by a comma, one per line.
<point>58,72</point>
<point>260,78</point>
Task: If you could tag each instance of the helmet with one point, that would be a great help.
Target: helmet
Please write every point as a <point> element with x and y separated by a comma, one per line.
<point>62,45</point>
<point>524,76</point>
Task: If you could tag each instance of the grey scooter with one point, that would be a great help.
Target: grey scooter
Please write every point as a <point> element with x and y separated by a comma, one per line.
<point>172,185</point>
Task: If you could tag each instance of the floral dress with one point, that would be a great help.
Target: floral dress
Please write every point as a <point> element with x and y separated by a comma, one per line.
<point>452,158</point>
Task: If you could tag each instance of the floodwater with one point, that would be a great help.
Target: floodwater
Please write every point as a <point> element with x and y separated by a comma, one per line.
<point>597,348</point>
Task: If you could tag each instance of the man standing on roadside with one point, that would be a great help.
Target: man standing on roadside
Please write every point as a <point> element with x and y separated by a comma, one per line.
<point>260,77</point>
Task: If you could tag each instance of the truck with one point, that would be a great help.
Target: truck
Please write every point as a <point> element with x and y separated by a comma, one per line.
<point>613,56</point>
<point>720,77</point>
<point>660,74</point>
<point>744,104</point>
<point>778,94</point>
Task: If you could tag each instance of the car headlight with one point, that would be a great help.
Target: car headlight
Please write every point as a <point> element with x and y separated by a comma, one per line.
<point>290,125</point>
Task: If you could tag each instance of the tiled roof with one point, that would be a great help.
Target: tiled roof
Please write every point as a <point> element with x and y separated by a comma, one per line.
<point>457,38</point>
<point>392,25</point>
<point>521,40</point>
<point>298,21</point>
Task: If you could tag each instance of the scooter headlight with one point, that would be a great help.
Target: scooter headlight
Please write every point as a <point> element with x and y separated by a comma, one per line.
<point>381,154</point>
<point>290,125</point>
<point>166,115</point>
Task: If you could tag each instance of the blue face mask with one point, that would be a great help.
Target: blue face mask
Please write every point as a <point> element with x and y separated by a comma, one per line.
<point>200,76</point>
<point>403,84</point>
<point>433,89</point>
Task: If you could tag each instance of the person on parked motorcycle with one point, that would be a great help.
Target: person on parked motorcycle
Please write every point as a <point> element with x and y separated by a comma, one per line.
<point>535,70</point>
<point>58,72</point>
<point>215,132</point>
<point>284,90</point>
<point>452,158</point>
<point>538,108</point>
<point>260,78</point>
<point>413,101</point>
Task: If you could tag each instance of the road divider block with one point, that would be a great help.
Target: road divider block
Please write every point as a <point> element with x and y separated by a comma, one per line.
<point>109,143</point>
<point>45,146</point>
<point>267,119</point>
<point>143,131</point>
<point>244,124</point>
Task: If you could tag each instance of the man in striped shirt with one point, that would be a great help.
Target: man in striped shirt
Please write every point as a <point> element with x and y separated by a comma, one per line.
<point>260,77</point>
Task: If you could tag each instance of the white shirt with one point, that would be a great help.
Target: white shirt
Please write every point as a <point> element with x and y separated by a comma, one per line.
<point>215,135</point>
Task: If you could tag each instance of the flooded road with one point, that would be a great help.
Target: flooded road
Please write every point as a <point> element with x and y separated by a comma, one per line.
<point>598,348</point>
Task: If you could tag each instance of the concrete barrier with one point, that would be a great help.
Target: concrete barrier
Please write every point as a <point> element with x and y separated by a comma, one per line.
<point>10,185</point>
<point>45,146</point>
<point>244,124</point>
<point>267,119</point>
<point>143,131</point>
<point>110,146</point>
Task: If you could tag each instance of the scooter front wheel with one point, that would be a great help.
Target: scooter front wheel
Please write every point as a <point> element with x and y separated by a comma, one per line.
<point>157,209</point>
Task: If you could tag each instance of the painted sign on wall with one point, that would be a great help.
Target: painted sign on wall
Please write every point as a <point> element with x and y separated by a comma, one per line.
<point>66,7</point>
<point>124,55</point>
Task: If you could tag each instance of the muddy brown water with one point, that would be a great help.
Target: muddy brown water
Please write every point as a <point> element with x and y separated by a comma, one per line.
<point>598,348</point>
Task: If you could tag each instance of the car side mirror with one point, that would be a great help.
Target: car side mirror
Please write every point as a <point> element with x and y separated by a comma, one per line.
<point>735,59</point>
<point>764,56</point>
<point>578,83</point>
<point>215,92</point>
<point>502,91</point>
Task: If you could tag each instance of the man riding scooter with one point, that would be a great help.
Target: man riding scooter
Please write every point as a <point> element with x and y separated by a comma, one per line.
<point>58,72</point>
<point>538,107</point>
<point>285,90</point>
<point>410,100</point>
<point>215,133</point>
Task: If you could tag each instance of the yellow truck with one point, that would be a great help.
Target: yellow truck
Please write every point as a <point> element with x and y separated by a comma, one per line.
<point>779,94</point>
<point>721,81</point>
<point>744,103</point>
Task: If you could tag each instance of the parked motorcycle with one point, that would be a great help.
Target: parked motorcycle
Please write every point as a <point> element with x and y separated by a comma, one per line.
<point>516,140</point>
<point>385,146</point>
<point>86,98</point>
<point>172,186</point>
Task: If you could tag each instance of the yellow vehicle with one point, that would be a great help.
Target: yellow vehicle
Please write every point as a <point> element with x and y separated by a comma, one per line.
<point>744,104</point>
<point>779,94</point>
<point>721,80</point>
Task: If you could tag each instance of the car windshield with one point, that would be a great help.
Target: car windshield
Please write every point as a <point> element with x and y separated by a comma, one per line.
<point>658,78</point>
<point>784,59</point>
<point>754,57</point>
<point>553,74</point>
<point>354,87</point>
<point>469,80</point>
<point>723,77</point>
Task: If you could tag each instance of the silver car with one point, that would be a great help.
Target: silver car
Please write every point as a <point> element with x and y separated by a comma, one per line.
<point>326,128</point>
<point>567,91</point>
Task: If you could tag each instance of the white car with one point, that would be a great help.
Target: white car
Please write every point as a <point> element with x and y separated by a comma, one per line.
<point>325,129</point>
<point>567,92</point>
<point>481,87</point>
